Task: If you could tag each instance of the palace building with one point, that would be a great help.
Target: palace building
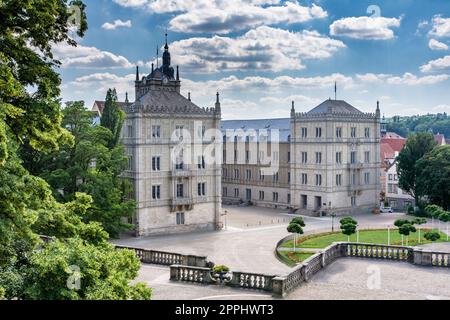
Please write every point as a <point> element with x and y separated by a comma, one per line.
<point>326,160</point>
<point>175,190</point>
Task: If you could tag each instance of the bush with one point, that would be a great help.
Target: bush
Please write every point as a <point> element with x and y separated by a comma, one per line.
<point>432,236</point>
<point>221,268</point>
<point>2,293</point>
<point>410,210</point>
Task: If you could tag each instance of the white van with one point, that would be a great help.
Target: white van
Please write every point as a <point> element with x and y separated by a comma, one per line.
<point>386,209</point>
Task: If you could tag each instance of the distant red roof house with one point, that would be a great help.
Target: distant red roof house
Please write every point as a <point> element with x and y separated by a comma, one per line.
<point>395,141</point>
<point>386,151</point>
<point>440,139</point>
<point>100,105</point>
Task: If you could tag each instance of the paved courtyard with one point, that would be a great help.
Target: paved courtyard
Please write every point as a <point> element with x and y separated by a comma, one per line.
<point>247,248</point>
<point>248,244</point>
<point>347,278</point>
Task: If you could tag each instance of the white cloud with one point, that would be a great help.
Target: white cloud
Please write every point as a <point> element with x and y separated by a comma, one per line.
<point>263,48</point>
<point>221,17</point>
<point>442,64</point>
<point>441,108</point>
<point>88,57</point>
<point>407,79</point>
<point>440,27</point>
<point>262,85</point>
<point>365,28</point>
<point>437,45</point>
<point>117,24</point>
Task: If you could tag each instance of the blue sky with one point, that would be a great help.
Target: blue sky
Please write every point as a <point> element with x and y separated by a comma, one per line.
<point>261,54</point>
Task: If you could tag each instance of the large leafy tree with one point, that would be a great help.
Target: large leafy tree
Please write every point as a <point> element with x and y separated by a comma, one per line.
<point>416,147</point>
<point>434,176</point>
<point>112,116</point>
<point>30,116</point>
<point>93,167</point>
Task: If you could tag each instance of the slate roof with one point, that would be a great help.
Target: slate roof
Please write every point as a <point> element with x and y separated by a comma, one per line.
<point>169,102</point>
<point>334,106</point>
<point>282,125</point>
<point>101,105</point>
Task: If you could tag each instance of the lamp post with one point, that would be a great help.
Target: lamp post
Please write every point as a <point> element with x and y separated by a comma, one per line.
<point>225,214</point>
<point>333,215</point>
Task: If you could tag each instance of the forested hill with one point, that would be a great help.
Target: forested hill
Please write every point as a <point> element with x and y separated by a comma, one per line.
<point>438,123</point>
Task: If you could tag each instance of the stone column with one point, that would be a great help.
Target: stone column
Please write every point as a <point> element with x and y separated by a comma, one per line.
<point>174,272</point>
<point>279,287</point>
<point>422,257</point>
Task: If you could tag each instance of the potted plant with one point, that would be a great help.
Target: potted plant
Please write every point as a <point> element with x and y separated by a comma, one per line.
<point>220,274</point>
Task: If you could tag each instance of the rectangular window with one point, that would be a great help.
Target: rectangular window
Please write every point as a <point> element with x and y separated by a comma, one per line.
<point>201,189</point>
<point>304,178</point>
<point>201,131</point>
<point>130,131</point>
<point>275,197</point>
<point>130,162</point>
<point>318,179</point>
<point>289,177</point>
<point>180,218</point>
<point>304,157</point>
<point>236,192</point>
<point>248,194</point>
<point>339,180</point>
<point>156,163</point>
<point>225,191</point>
<point>156,131</point>
<point>289,198</point>
<point>201,162</point>
<point>318,157</point>
<point>180,190</point>
<point>367,177</point>
<point>304,132</point>
<point>179,132</point>
<point>353,132</point>
<point>367,132</point>
<point>354,179</point>
<point>390,176</point>
<point>289,157</point>
<point>339,132</point>
<point>261,176</point>
<point>338,157</point>
<point>353,157</point>
<point>318,132</point>
<point>275,178</point>
<point>236,173</point>
<point>156,192</point>
<point>248,174</point>
<point>353,201</point>
<point>247,155</point>
<point>261,195</point>
<point>367,156</point>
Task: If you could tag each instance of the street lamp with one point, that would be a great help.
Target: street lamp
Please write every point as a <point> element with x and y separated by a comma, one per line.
<point>333,215</point>
<point>225,214</point>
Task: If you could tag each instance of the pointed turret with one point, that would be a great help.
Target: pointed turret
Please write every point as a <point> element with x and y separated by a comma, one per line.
<point>218,109</point>
<point>293,110</point>
<point>178,73</point>
<point>378,113</point>
<point>126,98</point>
<point>137,73</point>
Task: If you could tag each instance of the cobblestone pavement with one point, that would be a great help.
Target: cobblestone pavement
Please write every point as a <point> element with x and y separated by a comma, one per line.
<point>346,278</point>
<point>247,248</point>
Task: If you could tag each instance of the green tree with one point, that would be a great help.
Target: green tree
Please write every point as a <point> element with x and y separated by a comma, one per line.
<point>79,271</point>
<point>416,147</point>
<point>433,178</point>
<point>432,236</point>
<point>90,166</point>
<point>32,118</point>
<point>405,227</point>
<point>112,117</point>
<point>348,226</point>
<point>296,227</point>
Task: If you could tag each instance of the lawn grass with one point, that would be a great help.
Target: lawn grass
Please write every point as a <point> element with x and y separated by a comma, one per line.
<point>320,241</point>
<point>296,257</point>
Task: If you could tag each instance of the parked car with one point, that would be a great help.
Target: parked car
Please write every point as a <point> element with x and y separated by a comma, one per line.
<point>386,209</point>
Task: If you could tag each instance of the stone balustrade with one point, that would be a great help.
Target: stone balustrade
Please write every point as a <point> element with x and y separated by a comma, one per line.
<point>167,258</point>
<point>190,274</point>
<point>251,281</point>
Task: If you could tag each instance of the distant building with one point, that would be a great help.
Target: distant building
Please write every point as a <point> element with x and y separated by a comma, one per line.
<point>328,159</point>
<point>440,139</point>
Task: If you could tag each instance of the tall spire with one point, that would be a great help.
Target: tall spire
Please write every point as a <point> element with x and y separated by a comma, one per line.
<point>335,90</point>
<point>126,97</point>
<point>178,73</point>
<point>153,67</point>
<point>157,56</point>
<point>137,73</point>
<point>218,110</point>
<point>166,47</point>
<point>293,110</point>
